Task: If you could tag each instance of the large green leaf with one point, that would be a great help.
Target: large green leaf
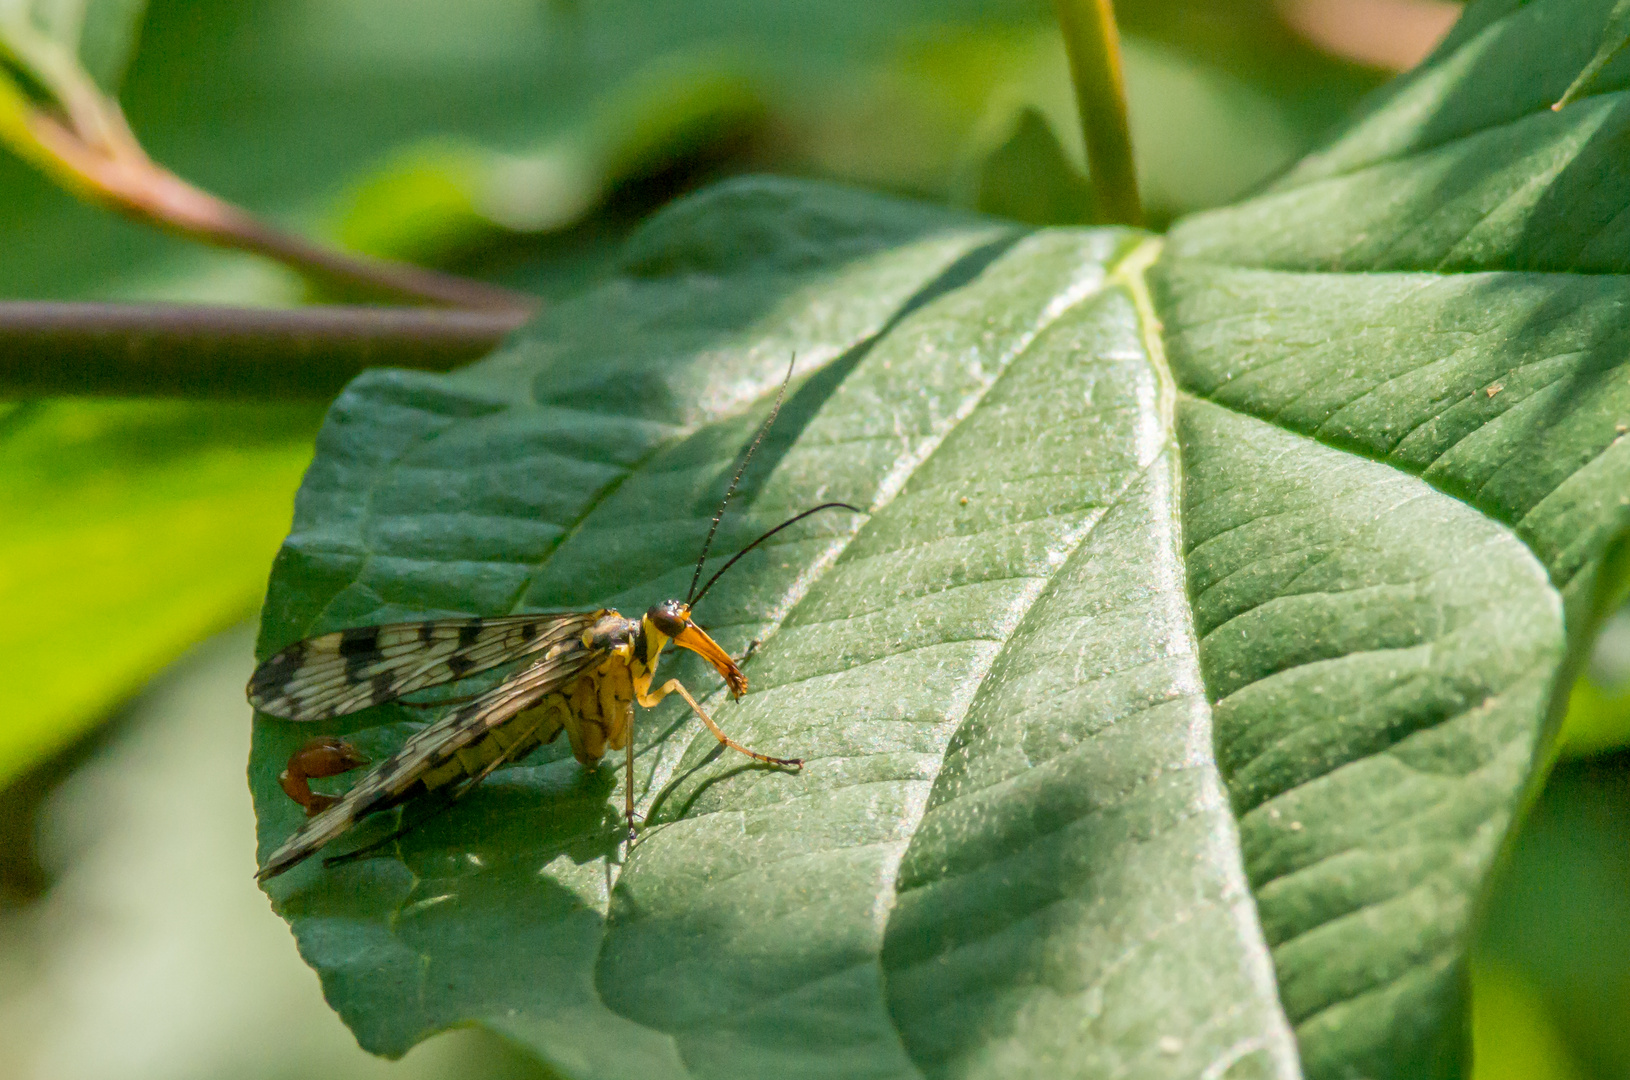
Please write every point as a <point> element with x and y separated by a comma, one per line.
<point>1014,845</point>
<point>1442,289</point>
<point>1166,710</point>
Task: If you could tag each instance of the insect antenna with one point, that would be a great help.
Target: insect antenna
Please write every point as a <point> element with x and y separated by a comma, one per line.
<point>790,521</point>
<point>763,430</point>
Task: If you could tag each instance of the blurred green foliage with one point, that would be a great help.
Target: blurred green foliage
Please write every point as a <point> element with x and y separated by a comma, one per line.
<point>1554,960</point>
<point>415,128</point>
<point>133,529</point>
<point>1599,711</point>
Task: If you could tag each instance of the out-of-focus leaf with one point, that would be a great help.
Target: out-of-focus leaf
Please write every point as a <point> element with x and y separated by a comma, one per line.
<point>285,107</point>
<point>1029,178</point>
<point>1556,920</point>
<point>951,116</point>
<point>456,119</point>
<point>1513,1035</point>
<point>132,530</point>
<point>1599,709</point>
<point>437,198</point>
<point>1598,718</point>
<point>109,33</point>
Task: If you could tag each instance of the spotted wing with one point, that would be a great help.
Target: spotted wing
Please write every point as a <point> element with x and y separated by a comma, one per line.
<point>388,781</point>
<point>347,670</point>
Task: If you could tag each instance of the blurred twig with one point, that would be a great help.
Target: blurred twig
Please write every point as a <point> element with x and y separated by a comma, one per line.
<point>175,350</point>
<point>78,136</point>
<point>1094,47</point>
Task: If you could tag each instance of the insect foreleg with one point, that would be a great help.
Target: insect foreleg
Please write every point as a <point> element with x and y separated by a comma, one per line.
<point>651,700</point>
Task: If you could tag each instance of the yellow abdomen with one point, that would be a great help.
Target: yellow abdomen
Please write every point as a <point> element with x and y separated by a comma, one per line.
<point>599,709</point>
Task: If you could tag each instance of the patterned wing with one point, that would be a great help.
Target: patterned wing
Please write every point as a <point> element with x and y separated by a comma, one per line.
<point>347,670</point>
<point>390,779</point>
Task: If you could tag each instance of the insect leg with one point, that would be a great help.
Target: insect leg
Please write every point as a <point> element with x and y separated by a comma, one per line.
<point>747,654</point>
<point>628,785</point>
<point>499,760</point>
<point>674,686</point>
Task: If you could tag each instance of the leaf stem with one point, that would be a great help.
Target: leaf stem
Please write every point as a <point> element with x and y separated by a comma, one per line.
<point>86,147</point>
<point>1094,48</point>
<point>194,351</point>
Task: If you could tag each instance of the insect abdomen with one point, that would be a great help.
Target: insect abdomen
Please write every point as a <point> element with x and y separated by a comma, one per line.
<point>600,710</point>
<point>512,741</point>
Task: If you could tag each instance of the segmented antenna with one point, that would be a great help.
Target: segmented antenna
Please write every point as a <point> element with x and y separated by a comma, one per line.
<point>763,429</point>
<point>792,520</point>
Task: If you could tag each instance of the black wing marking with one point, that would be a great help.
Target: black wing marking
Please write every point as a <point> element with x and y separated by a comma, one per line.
<point>431,746</point>
<point>347,670</point>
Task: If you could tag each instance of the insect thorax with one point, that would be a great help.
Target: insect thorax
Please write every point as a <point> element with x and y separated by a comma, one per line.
<point>612,631</point>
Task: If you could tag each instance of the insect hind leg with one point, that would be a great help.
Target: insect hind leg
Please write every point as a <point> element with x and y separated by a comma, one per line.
<point>673,686</point>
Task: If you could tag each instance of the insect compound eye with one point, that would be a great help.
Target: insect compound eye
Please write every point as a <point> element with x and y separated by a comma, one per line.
<point>670,617</point>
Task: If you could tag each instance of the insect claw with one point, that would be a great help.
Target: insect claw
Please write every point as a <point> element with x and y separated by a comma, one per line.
<point>747,654</point>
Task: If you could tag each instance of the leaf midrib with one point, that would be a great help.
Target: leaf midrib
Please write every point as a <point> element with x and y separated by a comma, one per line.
<point>1126,273</point>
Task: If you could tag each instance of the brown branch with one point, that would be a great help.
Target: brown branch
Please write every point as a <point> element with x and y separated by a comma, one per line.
<point>85,145</point>
<point>124,178</point>
<point>176,350</point>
